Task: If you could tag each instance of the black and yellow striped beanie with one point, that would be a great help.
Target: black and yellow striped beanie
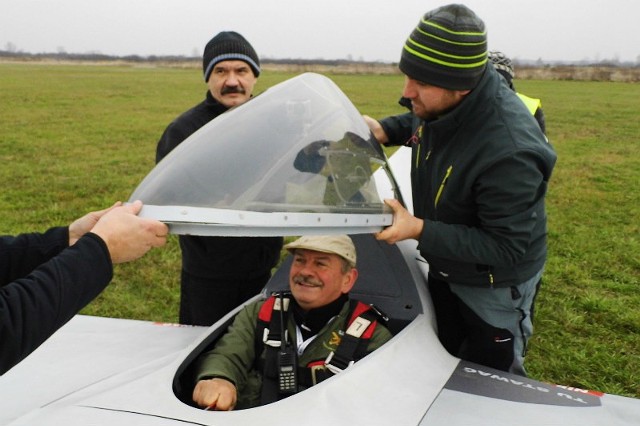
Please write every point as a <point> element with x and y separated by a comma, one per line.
<point>447,49</point>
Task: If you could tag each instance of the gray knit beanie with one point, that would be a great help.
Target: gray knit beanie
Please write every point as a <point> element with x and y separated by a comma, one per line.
<point>447,49</point>
<point>229,46</point>
<point>503,64</point>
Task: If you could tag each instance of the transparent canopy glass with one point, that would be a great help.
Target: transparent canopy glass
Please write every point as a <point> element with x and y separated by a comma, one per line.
<point>296,159</point>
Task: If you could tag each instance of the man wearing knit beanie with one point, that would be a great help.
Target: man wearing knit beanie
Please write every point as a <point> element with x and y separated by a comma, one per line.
<point>227,46</point>
<point>479,173</point>
<point>447,49</point>
<point>216,275</point>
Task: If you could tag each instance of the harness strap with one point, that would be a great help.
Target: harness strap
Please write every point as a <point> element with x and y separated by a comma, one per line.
<point>355,341</point>
<point>360,327</point>
<point>269,327</point>
<point>272,334</point>
<point>272,319</point>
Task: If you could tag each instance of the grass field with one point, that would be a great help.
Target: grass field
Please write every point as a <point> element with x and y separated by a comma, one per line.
<point>77,138</point>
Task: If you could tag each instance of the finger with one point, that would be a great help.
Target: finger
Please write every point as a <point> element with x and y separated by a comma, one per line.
<point>394,204</point>
<point>213,403</point>
<point>99,213</point>
<point>114,205</point>
<point>224,404</point>
<point>204,397</point>
<point>135,207</point>
<point>386,235</point>
<point>159,229</point>
<point>159,241</point>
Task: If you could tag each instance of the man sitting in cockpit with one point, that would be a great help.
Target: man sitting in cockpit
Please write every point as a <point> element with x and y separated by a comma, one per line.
<point>292,341</point>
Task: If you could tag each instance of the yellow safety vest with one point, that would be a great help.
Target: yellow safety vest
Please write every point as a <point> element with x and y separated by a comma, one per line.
<point>532,104</point>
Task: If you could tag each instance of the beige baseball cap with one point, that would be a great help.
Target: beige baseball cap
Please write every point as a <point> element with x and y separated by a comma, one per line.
<point>336,244</point>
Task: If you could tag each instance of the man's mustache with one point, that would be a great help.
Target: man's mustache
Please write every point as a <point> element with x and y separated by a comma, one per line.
<point>232,89</point>
<point>300,279</point>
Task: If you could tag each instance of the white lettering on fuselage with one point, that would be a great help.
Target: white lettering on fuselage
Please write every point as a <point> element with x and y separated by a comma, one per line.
<point>525,385</point>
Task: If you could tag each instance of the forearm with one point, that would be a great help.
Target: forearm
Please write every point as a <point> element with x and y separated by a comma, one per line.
<point>35,306</point>
<point>21,254</point>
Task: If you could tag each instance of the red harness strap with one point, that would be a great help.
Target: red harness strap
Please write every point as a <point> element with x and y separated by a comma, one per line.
<point>359,310</point>
<point>361,324</point>
<point>267,310</point>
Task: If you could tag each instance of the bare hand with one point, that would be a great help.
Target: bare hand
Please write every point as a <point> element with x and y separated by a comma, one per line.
<point>128,236</point>
<point>376,129</point>
<point>405,225</point>
<point>215,394</point>
<point>83,225</point>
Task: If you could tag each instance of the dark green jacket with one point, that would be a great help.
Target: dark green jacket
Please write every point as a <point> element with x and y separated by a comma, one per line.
<point>234,355</point>
<point>479,179</point>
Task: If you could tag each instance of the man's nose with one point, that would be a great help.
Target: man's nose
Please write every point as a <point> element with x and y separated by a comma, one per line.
<point>306,271</point>
<point>232,80</point>
<point>409,90</point>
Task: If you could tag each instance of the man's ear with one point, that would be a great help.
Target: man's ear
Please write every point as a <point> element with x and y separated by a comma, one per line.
<point>349,280</point>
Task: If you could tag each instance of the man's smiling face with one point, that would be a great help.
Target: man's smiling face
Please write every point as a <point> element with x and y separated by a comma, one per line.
<point>317,279</point>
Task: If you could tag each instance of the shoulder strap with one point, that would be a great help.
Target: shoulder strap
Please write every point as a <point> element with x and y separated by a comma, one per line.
<point>271,331</point>
<point>358,330</point>
<point>269,326</point>
<point>362,323</point>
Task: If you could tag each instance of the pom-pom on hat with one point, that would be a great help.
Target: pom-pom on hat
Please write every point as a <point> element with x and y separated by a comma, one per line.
<point>447,49</point>
<point>229,46</point>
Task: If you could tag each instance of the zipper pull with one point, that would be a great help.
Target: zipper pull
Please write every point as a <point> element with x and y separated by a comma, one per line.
<point>444,181</point>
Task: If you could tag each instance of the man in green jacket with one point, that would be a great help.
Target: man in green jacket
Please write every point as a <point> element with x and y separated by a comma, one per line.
<point>236,373</point>
<point>479,172</point>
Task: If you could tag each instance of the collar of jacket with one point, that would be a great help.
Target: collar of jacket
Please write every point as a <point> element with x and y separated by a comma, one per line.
<point>461,114</point>
<point>311,322</point>
<point>213,104</point>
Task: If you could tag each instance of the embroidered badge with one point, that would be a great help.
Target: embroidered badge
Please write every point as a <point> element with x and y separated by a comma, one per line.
<point>334,341</point>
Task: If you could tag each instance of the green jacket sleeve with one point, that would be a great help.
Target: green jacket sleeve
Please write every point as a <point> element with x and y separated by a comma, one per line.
<point>234,354</point>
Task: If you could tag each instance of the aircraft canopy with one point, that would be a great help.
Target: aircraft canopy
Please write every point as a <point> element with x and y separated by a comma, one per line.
<point>298,158</point>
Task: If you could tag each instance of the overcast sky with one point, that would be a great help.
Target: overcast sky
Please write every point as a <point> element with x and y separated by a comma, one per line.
<point>330,29</point>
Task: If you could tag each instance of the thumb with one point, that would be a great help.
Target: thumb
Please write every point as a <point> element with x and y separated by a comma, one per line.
<point>134,208</point>
<point>393,203</point>
<point>102,212</point>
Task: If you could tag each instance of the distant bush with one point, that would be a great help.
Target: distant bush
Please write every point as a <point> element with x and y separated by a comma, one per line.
<point>525,70</point>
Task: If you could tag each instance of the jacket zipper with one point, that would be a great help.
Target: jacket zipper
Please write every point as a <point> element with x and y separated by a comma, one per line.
<point>444,182</point>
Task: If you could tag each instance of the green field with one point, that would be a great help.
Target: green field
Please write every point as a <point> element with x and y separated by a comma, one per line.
<point>77,138</point>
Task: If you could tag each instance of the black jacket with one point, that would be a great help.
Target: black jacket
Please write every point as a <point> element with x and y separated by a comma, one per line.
<point>217,257</point>
<point>479,178</point>
<point>43,284</point>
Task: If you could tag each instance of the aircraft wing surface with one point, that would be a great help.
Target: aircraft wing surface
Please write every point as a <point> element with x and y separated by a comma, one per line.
<point>85,351</point>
